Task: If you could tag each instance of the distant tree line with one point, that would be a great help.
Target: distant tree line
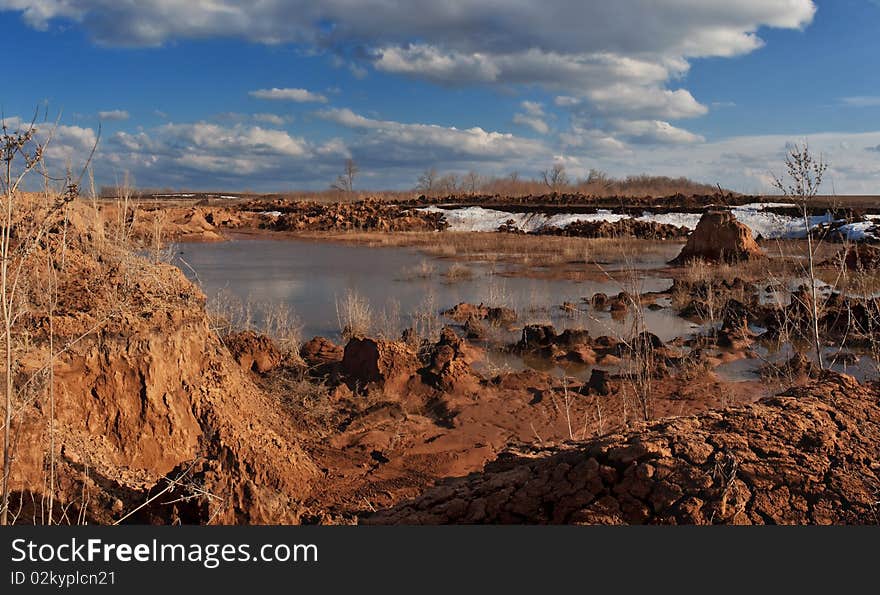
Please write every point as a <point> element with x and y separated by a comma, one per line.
<point>556,179</point>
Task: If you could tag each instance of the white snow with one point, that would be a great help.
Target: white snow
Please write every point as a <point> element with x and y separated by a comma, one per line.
<point>859,231</point>
<point>772,225</point>
<point>271,213</point>
<point>480,219</point>
<point>763,223</point>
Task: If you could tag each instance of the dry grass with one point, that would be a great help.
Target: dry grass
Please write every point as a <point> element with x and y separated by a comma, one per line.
<point>355,315</point>
<point>423,270</point>
<point>458,272</point>
<point>230,314</point>
<point>527,255</point>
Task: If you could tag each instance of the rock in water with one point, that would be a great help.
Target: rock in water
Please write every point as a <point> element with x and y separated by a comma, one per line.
<point>719,237</point>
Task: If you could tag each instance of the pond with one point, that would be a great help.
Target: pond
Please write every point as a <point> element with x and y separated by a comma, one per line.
<point>310,277</point>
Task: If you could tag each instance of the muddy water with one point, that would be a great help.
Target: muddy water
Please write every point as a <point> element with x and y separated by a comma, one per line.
<point>310,277</point>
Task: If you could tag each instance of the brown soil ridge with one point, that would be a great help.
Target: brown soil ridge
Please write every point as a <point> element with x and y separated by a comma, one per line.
<point>364,215</point>
<point>645,230</point>
<point>807,456</point>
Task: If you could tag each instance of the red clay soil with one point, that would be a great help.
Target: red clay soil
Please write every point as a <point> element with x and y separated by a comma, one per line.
<point>808,456</point>
<point>719,237</point>
<point>144,394</point>
<point>445,421</point>
<point>253,352</point>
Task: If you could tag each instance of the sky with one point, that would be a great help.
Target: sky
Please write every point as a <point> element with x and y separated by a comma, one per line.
<point>275,95</point>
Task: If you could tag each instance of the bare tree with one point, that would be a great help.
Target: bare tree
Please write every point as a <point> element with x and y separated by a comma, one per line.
<point>472,182</point>
<point>555,178</point>
<point>345,181</point>
<point>427,182</point>
<point>449,184</point>
<point>805,173</point>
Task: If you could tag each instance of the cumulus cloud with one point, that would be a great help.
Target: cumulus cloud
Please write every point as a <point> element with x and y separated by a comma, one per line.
<point>235,153</point>
<point>617,69</point>
<point>654,131</point>
<point>429,143</point>
<point>242,155</point>
<point>114,115</point>
<point>533,116</point>
<point>746,163</point>
<point>295,95</point>
<point>207,154</point>
<point>469,40</point>
<point>273,119</point>
<point>260,117</point>
<point>618,60</point>
<point>684,27</point>
<point>533,122</point>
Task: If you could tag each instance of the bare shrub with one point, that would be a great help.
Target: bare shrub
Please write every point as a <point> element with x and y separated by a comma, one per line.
<point>423,270</point>
<point>388,321</point>
<point>354,315</point>
<point>458,272</point>
<point>425,318</point>
<point>230,314</point>
<point>805,173</point>
<point>25,226</point>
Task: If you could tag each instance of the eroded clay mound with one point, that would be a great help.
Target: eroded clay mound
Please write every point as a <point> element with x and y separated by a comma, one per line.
<point>145,395</point>
<point>719,237</point>
<point>807,456</point>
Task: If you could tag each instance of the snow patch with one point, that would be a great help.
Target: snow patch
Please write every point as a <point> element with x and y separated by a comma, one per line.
<point>754,216</point>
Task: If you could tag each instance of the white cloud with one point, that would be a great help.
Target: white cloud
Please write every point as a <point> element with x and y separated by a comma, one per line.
<point>535,123</point>
<point>533,108</point>
<point>240,155</point>
<point>423,61</point>
<point>682,27</point>
<point>861,101</point>
<point>260,118</point>
<point>619,60</point>
<point>115,115</point>
<point>429,144</point>
<point>634,100</point>
<point>234,153</point>
<point>70,144</point>
<point>296,95</point>
<point>653,132</point>
<point>202,152</point>
<point>273,119</point>
<point>533,117</point>
<point>745,163</point>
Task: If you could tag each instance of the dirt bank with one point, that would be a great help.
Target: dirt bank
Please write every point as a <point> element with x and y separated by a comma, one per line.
<point>146,400</point>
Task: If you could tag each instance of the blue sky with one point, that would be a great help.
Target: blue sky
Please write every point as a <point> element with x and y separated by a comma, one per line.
<point>705,88</point>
